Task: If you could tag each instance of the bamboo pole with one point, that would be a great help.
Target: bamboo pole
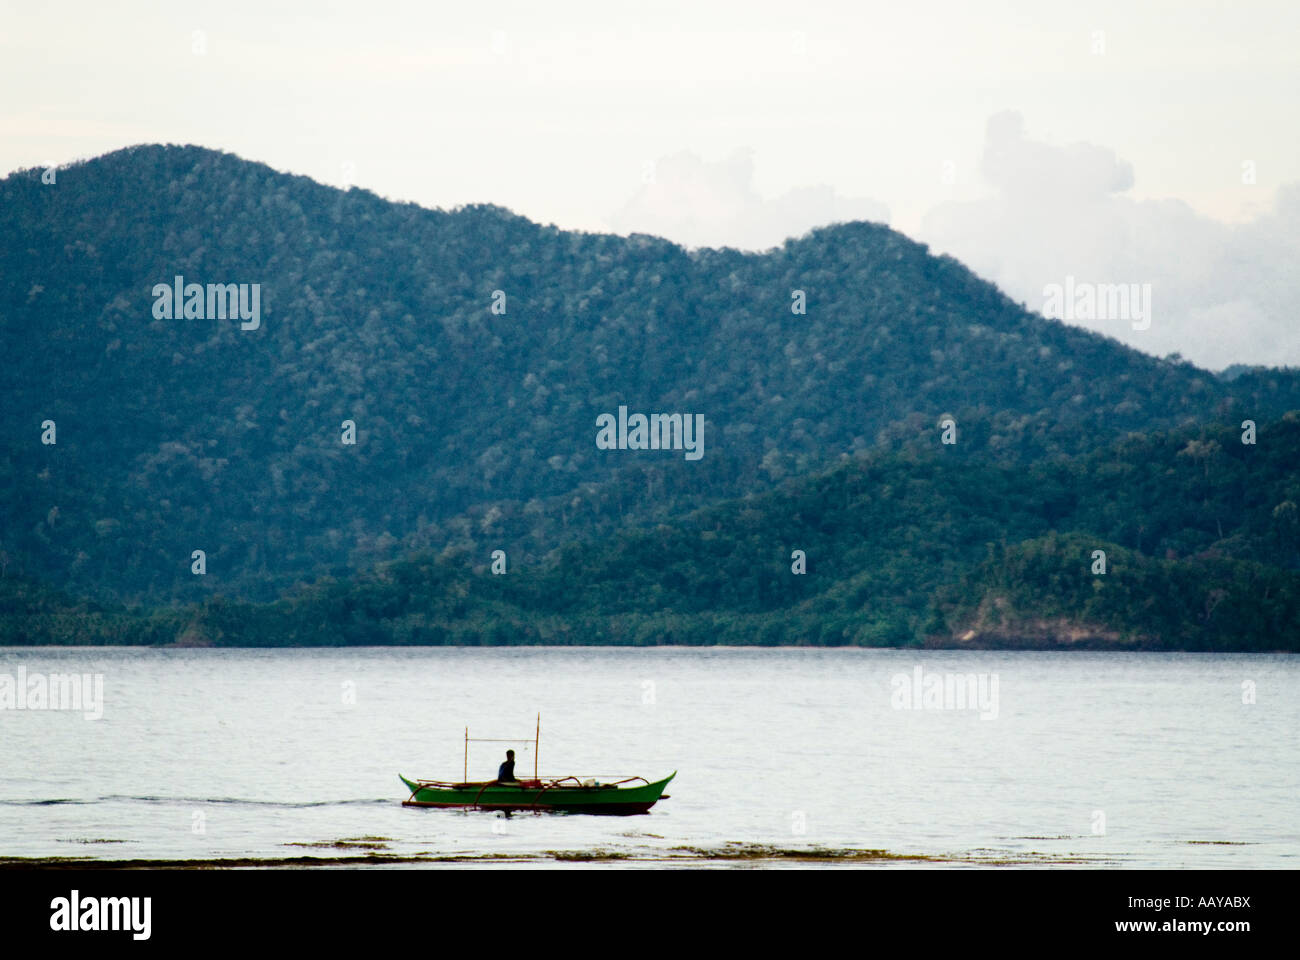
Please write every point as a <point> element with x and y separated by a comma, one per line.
<point>465,776</point>
<point>537,745</point>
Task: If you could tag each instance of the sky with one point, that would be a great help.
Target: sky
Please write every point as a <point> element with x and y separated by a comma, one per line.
<point>1112,143</point>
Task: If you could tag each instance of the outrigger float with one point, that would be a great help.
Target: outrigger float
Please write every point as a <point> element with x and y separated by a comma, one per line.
<point>569,794</point>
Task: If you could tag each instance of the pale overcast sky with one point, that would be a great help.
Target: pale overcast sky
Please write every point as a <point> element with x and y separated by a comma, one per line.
<point>1139,125</point>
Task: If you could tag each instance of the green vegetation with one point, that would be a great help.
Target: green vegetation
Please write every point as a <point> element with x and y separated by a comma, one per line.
<point>1201,535</point>
<point>1040,593</point>
<point>476,430</point>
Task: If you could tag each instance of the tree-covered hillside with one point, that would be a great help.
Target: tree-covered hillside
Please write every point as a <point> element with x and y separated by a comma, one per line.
<point>476,429</point>
<point>1201,536</point>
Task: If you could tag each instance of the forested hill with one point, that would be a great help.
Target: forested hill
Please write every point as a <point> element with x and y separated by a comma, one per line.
<point>1188,540</point>
<point>474,428</point>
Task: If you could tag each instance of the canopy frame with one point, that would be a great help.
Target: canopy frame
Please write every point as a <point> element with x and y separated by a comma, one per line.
<point>536,741</point>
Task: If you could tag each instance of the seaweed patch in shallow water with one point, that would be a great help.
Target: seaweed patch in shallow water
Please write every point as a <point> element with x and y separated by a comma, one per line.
<point>586,856</point>
<point>87,840</point>
<point>757,851</point>
<point>360,843</point>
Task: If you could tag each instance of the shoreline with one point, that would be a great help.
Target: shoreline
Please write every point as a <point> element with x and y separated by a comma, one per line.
<point>740,855</point>
<point>976,645</point>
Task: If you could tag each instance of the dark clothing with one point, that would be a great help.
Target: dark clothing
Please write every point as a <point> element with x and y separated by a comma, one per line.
<point>507,771</point>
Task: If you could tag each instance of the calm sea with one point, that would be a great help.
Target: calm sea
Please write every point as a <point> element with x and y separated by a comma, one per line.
<point>1128,760</point>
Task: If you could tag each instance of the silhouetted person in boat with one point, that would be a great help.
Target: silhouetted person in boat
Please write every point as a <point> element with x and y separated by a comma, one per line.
<point>507,770</point>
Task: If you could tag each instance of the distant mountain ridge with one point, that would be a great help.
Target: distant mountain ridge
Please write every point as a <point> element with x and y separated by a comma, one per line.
<point>476,429</point>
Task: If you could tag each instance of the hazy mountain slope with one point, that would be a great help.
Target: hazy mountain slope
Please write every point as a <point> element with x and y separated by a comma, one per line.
<point>474,429</point>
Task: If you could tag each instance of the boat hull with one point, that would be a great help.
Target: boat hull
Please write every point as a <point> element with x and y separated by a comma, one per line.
<point>566,798</point>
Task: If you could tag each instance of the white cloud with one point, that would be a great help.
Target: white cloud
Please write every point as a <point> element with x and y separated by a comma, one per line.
<point>702,203</point>
<point>1221,294</point>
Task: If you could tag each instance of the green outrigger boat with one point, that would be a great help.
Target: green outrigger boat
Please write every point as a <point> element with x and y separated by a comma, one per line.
<point>562,795</point>
<point>624,796</point>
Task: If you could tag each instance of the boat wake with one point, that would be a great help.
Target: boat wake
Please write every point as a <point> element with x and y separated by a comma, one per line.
<point>193,801</point>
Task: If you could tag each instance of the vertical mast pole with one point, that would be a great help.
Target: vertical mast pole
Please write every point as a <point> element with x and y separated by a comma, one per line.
<point>466,777</point>
<point>537,746</point>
